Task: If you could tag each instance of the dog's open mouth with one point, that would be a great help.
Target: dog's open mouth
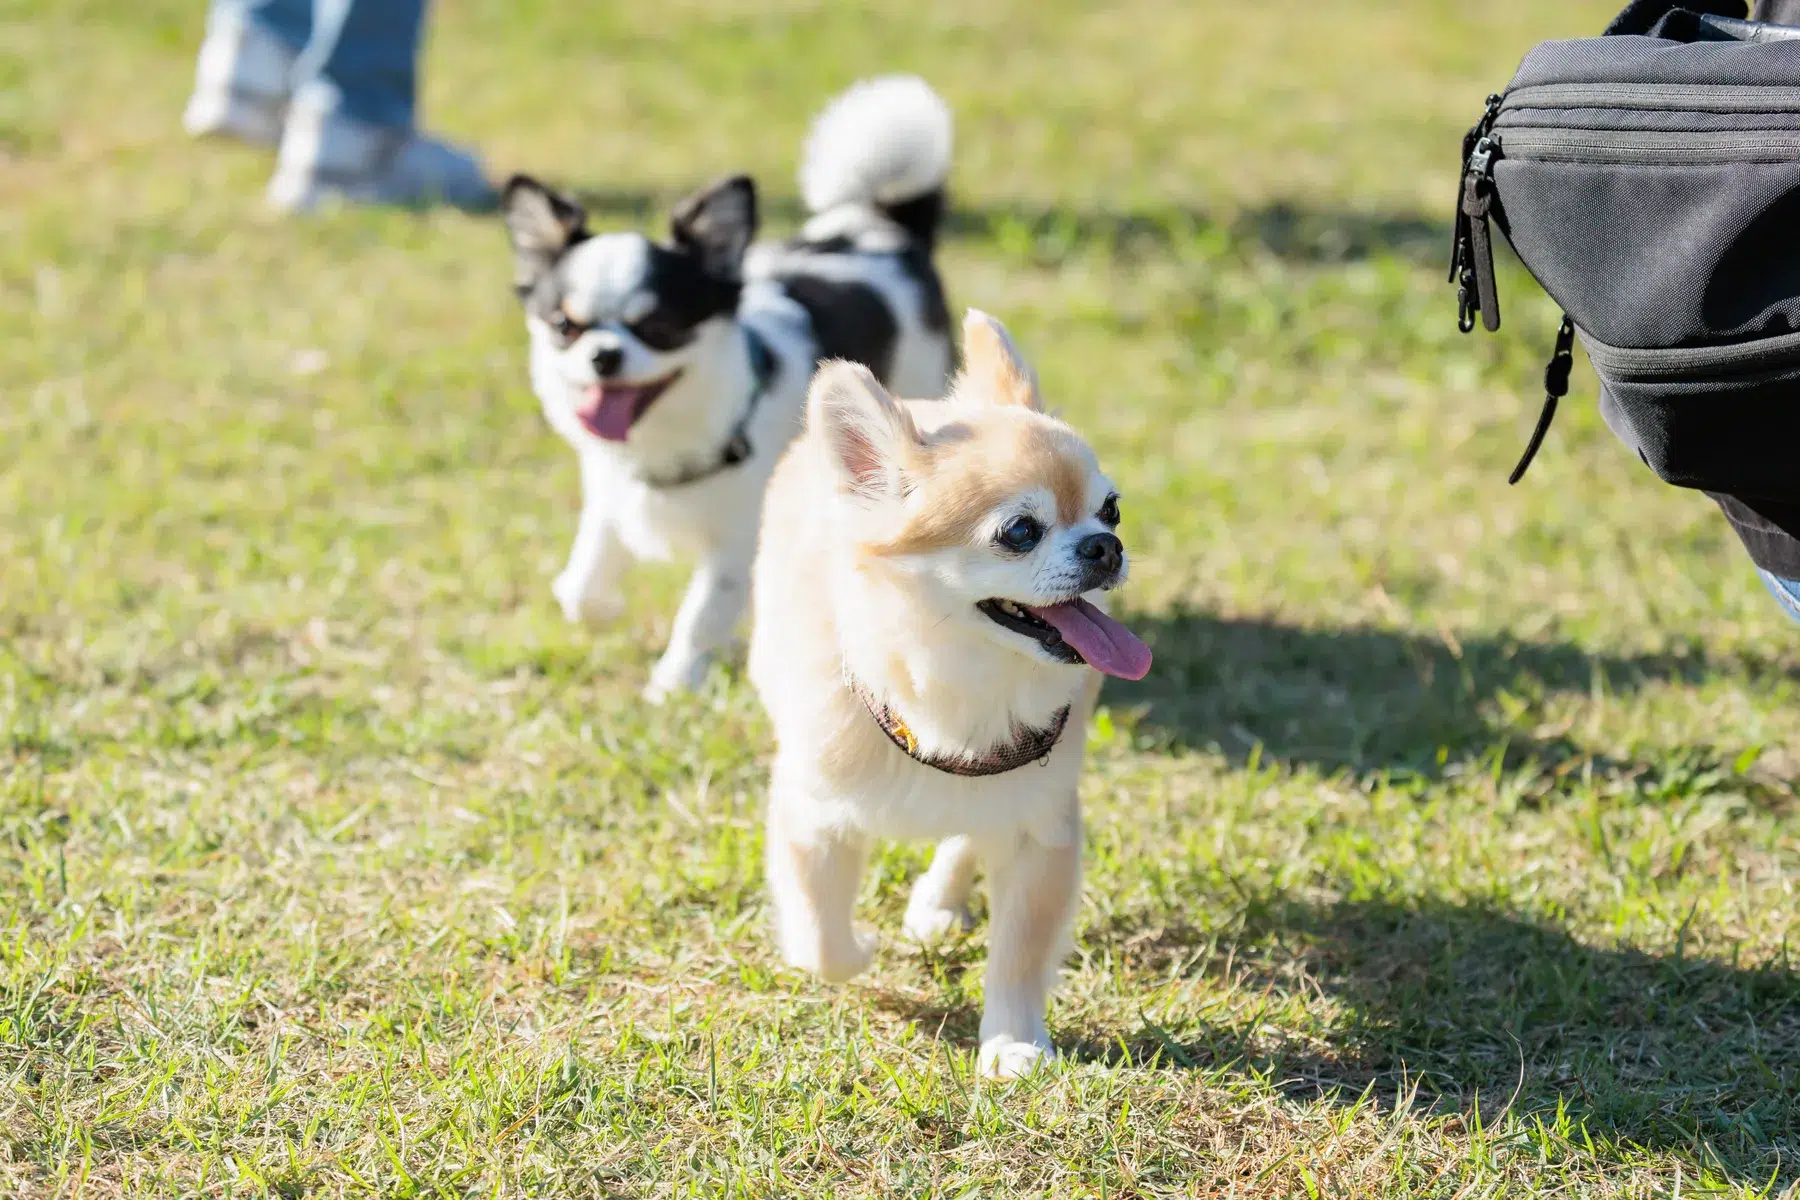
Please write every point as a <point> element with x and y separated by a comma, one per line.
<point>608,409</point>
<point>1074,631</point>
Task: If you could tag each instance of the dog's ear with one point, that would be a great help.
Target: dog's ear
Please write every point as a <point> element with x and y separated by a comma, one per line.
<point>993,365</point>
<point>869,436</point>
<point>542,224</point>
<point>717,223</point>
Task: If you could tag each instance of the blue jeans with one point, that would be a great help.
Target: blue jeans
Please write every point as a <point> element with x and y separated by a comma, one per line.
<point>358,57</point>
<point>1787,591</point>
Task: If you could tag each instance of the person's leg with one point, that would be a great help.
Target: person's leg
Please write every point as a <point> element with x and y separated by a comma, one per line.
<point>246,66</point>
<point>362,60</point>
<point>288,21</point>
<point>1787,592</point>
<point>351,131</point>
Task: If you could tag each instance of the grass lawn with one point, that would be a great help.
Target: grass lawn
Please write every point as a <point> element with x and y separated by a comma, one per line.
<point>1448,851</point>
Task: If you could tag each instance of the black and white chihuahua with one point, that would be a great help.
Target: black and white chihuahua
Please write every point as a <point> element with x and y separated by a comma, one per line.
<point>678,370</point>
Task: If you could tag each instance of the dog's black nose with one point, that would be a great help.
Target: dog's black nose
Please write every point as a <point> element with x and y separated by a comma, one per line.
<point>1102,553</point>
<point>608,360</point>
<point>1104,550</point>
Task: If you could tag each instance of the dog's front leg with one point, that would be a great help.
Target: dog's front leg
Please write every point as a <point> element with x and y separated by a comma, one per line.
<point>814,870</point>
<point>716,598</point>
<point>588,588</point>
<point>1034,888</point>
<point>940,898</point>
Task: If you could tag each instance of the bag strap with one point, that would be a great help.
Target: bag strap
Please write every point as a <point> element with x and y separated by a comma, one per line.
<point>1640,16</point>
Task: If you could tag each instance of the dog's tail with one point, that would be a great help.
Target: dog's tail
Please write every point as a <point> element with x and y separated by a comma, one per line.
<point>885,142</point>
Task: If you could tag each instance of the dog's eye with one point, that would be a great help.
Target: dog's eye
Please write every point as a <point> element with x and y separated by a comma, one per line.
<point>659,331</point>
<point>564,328</point>
<point>1021,534</point>
<point>1109,511</point>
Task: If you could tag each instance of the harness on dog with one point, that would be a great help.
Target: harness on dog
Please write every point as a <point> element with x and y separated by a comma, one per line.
<point>764,366</point>
<point>1028,744</point>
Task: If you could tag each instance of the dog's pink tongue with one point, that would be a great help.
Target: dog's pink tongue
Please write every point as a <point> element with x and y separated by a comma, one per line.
<point>608,412</point>
<point>1107,645</point>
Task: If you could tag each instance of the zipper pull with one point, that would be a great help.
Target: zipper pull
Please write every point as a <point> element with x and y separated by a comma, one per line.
<point>1459,239</point>
<point>1556,386</point>
<point>1478,292</point>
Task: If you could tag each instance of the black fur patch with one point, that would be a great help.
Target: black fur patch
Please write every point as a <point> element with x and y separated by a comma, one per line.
<point>850,320</point>
<point>919,268</point>
<point>920,217</point>
<point>915,262</point>
<point>687,296</point>
<point>841,244</point>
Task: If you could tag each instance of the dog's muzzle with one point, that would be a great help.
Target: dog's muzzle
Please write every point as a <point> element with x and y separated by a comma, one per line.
<point>1102,558</point>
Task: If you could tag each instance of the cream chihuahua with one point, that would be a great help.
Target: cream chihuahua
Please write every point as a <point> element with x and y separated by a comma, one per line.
<point>928,647</point>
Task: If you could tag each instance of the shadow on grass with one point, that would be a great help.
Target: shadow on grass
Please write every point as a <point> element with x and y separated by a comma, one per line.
<point>1376,700</point>
<point>1289,231</point>
<point>1464,1010</point>
<point>1478,1010</point>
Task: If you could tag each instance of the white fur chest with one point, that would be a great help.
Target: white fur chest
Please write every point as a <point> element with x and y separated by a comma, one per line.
<point>907,799</point>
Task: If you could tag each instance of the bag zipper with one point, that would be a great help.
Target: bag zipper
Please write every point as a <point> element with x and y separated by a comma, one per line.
<point>1778,353</point>
<point>1471,261</point>
<point>1658,148</point>
<point>1472,270</point>
<point>1658,97</point>
<point>1471,247</point>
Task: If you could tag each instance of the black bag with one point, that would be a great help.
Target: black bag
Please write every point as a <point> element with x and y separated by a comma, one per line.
<point>1650,180</point>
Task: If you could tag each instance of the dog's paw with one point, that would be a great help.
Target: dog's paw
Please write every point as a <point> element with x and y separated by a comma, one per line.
<point>846,963</point>
<point>1004,1058</point>
<point>669,677</point>
<point>929,923</point>
<point>582,609</point>
<point>832,963</point>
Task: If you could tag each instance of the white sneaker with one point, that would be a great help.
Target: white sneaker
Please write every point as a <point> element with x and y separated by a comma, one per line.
<point>241,85</point>
<point>328,156</point>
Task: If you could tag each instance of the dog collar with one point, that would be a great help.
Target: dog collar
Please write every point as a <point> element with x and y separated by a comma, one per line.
<point>1028,744</point>
<point>764,366</point>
